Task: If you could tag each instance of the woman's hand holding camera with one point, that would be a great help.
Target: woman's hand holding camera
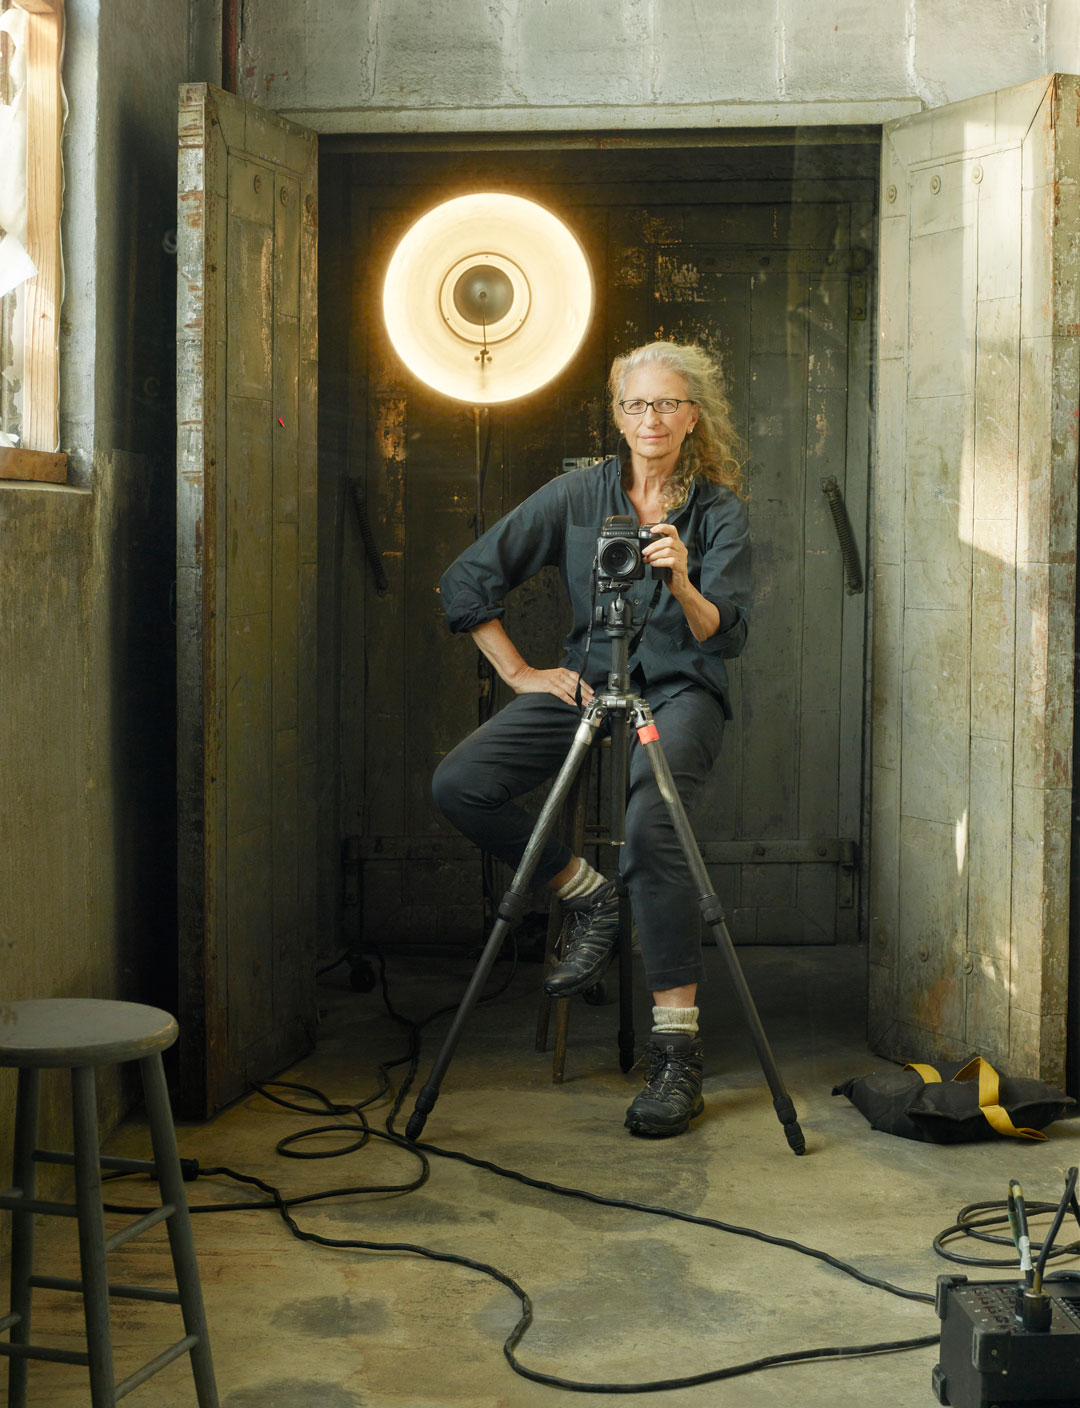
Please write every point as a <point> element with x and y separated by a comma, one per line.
<point>668,550</point>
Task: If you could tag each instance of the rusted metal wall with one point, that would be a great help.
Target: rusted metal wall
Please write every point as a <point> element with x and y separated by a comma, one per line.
<point>975,586</point>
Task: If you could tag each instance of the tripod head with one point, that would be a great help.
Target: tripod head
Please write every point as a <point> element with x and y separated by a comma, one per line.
<point>617,567</point>
<point>617,619</point>
<point>617,615</point>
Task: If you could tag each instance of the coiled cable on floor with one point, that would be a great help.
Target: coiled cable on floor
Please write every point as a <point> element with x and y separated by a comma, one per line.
<point>351,1119</point>
<point>969,1225</point>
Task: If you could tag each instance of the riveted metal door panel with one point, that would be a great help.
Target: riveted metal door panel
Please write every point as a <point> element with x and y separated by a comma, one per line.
<point>245,593</point>
<point>975,579</point>
<point>772,274</point>
<point>769,288</point>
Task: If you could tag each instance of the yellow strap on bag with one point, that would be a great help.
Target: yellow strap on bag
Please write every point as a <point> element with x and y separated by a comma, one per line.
<point>929,1075</point>
<point>989,1095</point>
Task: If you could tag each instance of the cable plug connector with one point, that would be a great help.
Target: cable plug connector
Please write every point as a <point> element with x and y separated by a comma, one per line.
<point>189,1169</point>
<point>1034,1310</point>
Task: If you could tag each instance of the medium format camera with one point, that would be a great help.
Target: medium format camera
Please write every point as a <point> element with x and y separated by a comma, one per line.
<point>618,551</point>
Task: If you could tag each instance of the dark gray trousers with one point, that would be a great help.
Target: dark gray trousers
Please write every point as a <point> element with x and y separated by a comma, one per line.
<point>475,787</point>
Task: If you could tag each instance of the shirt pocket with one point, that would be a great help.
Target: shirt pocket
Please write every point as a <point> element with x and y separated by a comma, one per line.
<point>577,571</point>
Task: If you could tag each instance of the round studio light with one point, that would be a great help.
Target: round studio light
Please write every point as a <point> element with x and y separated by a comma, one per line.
<point>487,297</point>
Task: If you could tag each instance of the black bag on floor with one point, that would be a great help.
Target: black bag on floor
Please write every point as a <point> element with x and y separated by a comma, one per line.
<point>955,1103</point>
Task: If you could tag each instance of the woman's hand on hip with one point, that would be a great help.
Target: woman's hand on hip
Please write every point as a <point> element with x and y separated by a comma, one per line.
<point>560,682</point>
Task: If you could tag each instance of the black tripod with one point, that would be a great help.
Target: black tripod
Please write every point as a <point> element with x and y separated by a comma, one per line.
<point>616,706</point>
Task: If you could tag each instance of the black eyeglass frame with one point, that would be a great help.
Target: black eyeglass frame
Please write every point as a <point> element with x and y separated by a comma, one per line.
<point>678,400</point>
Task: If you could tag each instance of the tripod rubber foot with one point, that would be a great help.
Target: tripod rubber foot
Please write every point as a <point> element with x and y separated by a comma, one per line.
<point>425,1103</point>
<point>785,1113</point>
<point>415,1127</point>
<point>795,1138</point>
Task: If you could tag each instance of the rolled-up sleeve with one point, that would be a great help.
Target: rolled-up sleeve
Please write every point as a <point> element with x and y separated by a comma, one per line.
<point>726,578</point>
<point>473,588</point>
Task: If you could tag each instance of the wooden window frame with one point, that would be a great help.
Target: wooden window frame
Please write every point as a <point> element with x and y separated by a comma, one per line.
<point>37,457</point>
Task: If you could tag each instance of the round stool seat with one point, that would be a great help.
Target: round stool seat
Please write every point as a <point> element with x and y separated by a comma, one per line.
<point>81,1031</point>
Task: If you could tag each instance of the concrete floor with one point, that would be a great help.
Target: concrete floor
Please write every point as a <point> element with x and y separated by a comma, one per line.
<point>618,1296</point>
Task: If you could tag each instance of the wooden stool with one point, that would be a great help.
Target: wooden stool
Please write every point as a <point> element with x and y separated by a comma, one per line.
<point>79,1034</point>
<point>573,827</point>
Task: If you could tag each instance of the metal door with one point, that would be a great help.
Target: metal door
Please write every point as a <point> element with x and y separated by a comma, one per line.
<point>246,564</point>
<point>779,291</point>
<point>774,275</point>
<point>975,579</point>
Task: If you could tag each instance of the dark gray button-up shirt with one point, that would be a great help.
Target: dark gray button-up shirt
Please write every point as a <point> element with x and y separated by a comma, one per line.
<point>559,526</point>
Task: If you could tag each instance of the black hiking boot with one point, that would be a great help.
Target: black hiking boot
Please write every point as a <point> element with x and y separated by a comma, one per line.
<point>671,1096</point>
<point>592,931</point>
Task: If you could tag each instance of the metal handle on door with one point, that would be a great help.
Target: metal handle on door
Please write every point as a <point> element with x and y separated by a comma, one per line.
<point>853,577</point>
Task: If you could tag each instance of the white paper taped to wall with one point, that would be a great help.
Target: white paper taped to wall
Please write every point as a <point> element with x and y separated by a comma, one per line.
<point>16,266</point>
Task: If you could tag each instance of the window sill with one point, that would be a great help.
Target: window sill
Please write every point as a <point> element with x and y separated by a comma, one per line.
<point>37,465</point>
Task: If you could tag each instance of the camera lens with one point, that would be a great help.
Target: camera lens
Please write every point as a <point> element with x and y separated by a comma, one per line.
<point>618,558</point>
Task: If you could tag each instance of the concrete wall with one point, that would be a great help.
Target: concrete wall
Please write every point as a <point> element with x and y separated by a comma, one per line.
<point>505,65</point>
<point>87,714</point>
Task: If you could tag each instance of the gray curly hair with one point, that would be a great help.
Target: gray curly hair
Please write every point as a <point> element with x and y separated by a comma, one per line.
<point>711,451</point>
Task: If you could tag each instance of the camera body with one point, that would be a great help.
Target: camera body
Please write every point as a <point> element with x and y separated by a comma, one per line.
<point>618,552</point>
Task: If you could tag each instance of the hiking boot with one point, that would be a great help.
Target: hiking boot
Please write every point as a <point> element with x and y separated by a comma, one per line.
<point>591,934</point>
<point>671,1096</point>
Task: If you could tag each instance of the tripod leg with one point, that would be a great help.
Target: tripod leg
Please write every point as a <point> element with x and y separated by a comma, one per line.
<point>713,912</point>
<point>511,908</point>
<point>620,763</point>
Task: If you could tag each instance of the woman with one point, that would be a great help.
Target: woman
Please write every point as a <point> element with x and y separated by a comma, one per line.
<point>674,470</point>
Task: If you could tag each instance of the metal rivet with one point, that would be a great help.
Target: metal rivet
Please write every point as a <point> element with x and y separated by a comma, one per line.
<point>765,261</point>
<point>284,195</point>
<point>976,173</point>
<point>924,953</point>
<point>935,184</point>
<point>890,194</point>
<point>258,184</point>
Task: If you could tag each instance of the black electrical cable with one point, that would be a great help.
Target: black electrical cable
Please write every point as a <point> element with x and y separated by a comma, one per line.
<point>1068,1199</point>
<point>361,1134</point>
<point>282,1205</point>
<point>968,1225</point>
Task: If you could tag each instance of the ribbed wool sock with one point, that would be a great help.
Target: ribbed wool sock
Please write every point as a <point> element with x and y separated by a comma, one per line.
<point>675,1019</point>
<point>583,882</point>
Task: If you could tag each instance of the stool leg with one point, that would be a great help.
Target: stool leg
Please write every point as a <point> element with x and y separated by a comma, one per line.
<point>22,1230</point>
<point>626,988</point>
<point>562,1032</point>
<point>573,824</point>
<point>91,1220</point>
<point>170,1179</point>
<point>543,1016</point>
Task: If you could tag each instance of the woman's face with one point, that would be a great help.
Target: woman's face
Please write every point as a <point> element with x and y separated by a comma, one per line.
<point>651,436</point>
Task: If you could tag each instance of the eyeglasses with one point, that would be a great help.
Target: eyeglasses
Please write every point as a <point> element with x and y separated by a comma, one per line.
<point>666,406</point>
